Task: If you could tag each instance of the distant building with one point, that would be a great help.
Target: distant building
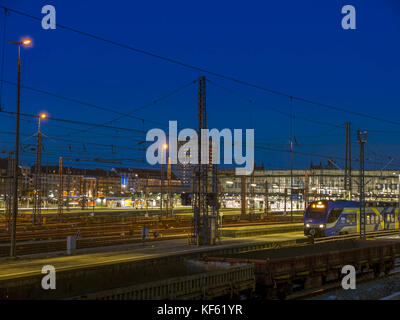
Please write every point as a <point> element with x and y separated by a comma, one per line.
<point>137,179</point>
<point>184,170</point>
<point>312,184</point>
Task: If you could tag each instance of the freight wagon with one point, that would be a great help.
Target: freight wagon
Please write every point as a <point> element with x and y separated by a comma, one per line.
<point>197,280</point>
<point>280,272</point>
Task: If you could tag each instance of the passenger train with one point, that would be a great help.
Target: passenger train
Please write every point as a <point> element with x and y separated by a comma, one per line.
<point>331,218</point>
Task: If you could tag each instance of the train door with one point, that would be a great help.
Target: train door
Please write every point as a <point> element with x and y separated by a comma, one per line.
<point>392,217</point>
<point>380,222</point>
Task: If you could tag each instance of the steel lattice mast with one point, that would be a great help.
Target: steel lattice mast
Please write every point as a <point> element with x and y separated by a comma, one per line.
<point>362,139</point>
<point>60,187</point>
<point>37,197</point>
<point>204,226</point>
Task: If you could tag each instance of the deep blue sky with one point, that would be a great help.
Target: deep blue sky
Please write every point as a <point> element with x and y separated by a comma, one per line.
<point>296,47</point>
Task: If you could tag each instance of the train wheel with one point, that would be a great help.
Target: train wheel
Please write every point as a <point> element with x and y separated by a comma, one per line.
<point>283,291</point>
<point>377,270</point>
<point>281,295</point>
<point>388,267</point>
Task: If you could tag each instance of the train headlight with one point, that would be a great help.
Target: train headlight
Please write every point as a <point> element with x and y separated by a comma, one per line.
<point>321,226</point>
<point>307,225</point>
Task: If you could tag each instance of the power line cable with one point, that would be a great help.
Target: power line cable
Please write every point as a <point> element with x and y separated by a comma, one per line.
<point>274,109</point>
<point>203,70</point>
<point>121,114</point>
<point>76,122</point>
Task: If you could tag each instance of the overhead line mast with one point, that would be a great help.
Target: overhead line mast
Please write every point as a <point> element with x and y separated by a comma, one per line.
<point>204,225</point>
<point>347,168</point>
<point>362,139</point>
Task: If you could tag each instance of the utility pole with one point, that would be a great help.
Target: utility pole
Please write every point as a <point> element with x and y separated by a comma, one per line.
<point>94,194</point>
<point>169,200</point>
<point>200,208</point>
<point>83,192</point>
<point>266,205</point>
<point>163,147</point>
<point>362,139</point>
<point>9,200</point>
<point>203,225</point>
<point>285,198</point>
<point>347,168</point>
<point>291,160</point>
<point>25,42</point>
<point>252,196</point>
<point>37,198</point>
<point>146,195</point>
<point>291,179</point>
<point>68,187</point>
<point>216,189</point>
<point>306,192</point>
<point>162,189</point>
<point>16,162</point>
<point>214,195</point>
<point>60,187</point>
<point>243,201</point>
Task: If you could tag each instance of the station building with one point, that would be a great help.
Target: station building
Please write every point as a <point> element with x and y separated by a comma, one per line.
<point>285,190</point>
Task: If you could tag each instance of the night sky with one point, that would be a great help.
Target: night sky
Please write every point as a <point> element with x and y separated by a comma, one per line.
<point>296,47</point>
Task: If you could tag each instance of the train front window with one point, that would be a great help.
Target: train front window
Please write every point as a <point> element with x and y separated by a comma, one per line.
<point>316,210</point>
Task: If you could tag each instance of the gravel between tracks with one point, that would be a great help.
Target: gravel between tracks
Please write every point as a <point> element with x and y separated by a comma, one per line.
<point>372,290</point>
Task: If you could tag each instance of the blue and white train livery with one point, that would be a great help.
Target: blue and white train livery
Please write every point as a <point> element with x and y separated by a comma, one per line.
<point>331,218</point>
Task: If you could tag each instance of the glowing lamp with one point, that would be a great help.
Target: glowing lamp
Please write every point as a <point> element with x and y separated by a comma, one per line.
<point>27,42</point>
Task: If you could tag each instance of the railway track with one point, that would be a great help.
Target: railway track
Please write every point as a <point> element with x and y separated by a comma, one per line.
<point>355,236</point>
<point>89,228</point>
<point>30,248</point>
<point>393,296</point>
<point>52,237</point>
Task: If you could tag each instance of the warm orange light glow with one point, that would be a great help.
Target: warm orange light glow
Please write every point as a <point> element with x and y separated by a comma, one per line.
<point>320,206</point>
<point>43,116</point>
<point>26,42</point>
<point>165,146</point>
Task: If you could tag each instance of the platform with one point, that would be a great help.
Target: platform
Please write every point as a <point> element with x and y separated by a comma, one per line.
<point>31,265</point>
<point>252,231</point>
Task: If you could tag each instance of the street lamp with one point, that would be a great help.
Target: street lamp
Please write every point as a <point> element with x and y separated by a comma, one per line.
<point>37,203</point>
<point>41,116</point>
<point>27,42</point>
<point>24,42</point>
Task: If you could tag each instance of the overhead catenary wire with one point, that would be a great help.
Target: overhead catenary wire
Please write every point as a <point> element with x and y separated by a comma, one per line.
<point>266,148</point>
<point>77,122</point>
<point>206,71</point>
<point>273,108</point>
<point>226,78</point>
<point>75,141</point>
<point>112,110</point>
